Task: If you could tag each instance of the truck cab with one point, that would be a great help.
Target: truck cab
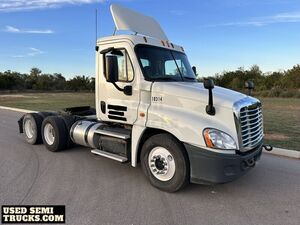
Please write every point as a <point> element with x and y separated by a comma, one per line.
<point>150,109</point>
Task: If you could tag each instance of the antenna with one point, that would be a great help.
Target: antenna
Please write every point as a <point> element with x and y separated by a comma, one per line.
<point>96,24</point>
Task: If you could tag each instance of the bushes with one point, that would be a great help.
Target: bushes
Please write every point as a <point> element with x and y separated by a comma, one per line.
<point>276,84</point>
<point>277,92</point>
<point>36,80</point>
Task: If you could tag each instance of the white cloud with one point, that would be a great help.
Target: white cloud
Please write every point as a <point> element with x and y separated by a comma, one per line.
<point>290,17</point>
<point>34,52</point>
<point>31,53</point>
<point>11,29</point>
<point>21,5</point>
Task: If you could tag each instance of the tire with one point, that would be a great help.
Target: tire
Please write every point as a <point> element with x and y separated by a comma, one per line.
<point>32,123</point>
<point>163,153</point>
<point>54,133</point>
<point>69,121</point>
<point>46,114</point>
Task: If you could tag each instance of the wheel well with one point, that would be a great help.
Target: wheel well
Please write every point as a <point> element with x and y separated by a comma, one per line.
<point>149,132</point>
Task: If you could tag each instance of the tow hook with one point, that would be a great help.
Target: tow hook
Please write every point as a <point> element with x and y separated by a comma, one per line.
<point>268,147</point>
<point>250,162</point>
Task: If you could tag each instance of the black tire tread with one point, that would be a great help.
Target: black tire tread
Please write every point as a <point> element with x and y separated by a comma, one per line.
<point>69,121</point>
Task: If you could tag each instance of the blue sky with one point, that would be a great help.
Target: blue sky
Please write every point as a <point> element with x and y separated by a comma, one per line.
<point>59,35</point>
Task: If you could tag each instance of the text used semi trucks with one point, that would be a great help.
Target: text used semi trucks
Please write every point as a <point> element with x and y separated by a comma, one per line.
<point>151,110</point>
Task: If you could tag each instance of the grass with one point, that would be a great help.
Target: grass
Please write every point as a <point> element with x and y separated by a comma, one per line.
<point>282,122</point>
<point>281,115</point>
<point>47,101</point>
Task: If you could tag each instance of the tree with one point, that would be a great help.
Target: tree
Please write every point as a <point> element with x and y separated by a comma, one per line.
<point>78,83</point>
<point>34,72</point>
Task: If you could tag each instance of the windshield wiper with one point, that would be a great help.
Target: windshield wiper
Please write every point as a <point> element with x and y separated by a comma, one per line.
<point>189,78</point>
<point>165,78</point>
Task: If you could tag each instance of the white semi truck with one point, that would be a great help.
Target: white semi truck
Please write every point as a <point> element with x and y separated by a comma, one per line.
<point>151,110</point>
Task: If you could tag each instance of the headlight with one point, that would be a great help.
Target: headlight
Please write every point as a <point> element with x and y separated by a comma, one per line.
<point>217,139</point>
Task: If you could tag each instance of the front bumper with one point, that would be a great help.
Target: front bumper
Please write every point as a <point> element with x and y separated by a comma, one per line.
<point>208,167</point>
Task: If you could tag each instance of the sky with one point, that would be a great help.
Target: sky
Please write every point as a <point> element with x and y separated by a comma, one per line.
<point>217,35</point>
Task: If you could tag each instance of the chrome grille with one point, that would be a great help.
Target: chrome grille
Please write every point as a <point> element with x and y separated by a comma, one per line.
<point>249,123</point>
<point>251,126</point>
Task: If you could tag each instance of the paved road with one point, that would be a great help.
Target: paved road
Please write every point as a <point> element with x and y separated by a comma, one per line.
<point>96,190</point>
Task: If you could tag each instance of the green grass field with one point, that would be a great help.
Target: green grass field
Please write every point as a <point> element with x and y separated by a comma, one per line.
<point>281,115</point>
<point>282,122</point>
<point>47,101</point>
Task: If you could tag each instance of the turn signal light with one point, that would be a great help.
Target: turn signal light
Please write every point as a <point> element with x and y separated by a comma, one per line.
<point>207,139</point>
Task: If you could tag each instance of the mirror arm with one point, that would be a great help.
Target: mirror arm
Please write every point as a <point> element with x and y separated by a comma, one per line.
<point>210,109</point>
<point>127,90</point>
<point>116,86</point>
<point>209,84</point>
<point>104,51</point>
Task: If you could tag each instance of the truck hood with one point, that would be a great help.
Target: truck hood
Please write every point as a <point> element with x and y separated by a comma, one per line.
<point>195,91</point>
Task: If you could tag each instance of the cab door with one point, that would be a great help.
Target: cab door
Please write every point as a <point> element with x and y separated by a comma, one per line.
<point>114,104</point>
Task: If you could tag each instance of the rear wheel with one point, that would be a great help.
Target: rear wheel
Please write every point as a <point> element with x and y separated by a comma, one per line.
<point>165,163</point>
<point>54,133</point>
<point>32,123</point>
<point>69,121</point>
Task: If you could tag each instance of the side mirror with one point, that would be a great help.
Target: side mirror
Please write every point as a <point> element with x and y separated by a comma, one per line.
<point>249,85</point>
<point>195,70</point>
<point>209,84</point>
<point>111,72</point>
<point>127,90</point>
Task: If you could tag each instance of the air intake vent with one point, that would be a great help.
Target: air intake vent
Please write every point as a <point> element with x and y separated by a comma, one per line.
<point>117,112</point>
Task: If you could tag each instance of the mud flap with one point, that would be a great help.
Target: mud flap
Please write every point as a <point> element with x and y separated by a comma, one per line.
<point>20,123</point>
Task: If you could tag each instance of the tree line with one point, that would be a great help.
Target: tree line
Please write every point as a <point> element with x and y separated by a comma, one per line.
<point>36,80</point>
<point>271,84</point>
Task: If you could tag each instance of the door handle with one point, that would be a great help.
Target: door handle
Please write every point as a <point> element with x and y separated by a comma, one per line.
<point>103,107</point>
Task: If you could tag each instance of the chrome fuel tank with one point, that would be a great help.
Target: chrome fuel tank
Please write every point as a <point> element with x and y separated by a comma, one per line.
<point>82,132</point>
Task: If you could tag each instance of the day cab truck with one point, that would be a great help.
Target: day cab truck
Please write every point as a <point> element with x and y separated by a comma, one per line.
<point>151,110</point>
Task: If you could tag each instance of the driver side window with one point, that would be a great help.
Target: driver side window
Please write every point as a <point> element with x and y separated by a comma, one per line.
<point>125,68</point>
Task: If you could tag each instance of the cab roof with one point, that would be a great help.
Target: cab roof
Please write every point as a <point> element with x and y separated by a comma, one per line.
<point>139,39</point>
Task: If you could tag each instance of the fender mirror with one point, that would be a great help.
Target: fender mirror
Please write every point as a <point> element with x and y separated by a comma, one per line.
<point>194,70</point>
<point>250,86</point>
<point>209,84</point>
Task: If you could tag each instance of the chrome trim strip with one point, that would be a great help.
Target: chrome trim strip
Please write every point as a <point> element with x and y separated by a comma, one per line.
<point>112,134</point>
<point>109,155</point>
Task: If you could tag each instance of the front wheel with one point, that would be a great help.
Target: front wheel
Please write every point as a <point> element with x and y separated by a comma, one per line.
<point>165,163</point>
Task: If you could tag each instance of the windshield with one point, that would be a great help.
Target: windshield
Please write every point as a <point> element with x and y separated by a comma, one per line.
<point>164,64</point>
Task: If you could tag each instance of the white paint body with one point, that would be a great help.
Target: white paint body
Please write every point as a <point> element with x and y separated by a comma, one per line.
<point>182,109</point>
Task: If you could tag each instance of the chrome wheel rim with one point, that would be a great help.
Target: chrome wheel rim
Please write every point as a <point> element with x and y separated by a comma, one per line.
<point>29,128</point>
<point>161,164</point>
<point>49,134</point>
